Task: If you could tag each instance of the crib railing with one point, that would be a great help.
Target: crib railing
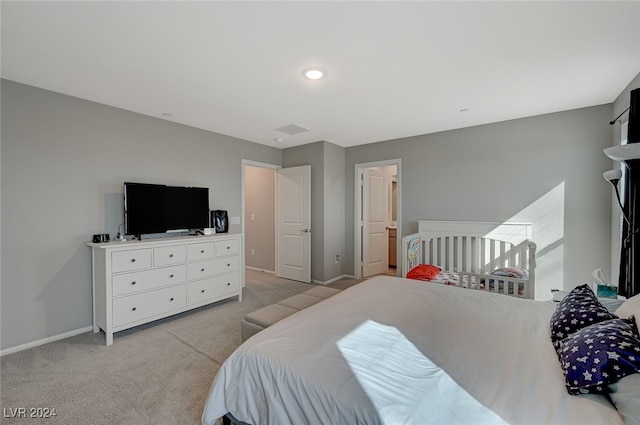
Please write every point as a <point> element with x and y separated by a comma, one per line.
<point>475,254</point>
<point>475,258</point>
<point>519,288</point>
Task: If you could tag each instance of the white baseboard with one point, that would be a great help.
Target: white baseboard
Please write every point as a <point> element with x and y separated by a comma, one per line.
<point>260,270</point>
<point>64,335</point>
<point>344,276</point>
<point>45,341</point>
<point>319,282</point>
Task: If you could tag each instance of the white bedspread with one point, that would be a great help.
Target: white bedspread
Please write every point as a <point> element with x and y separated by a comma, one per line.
<point>405,387</point>
<point>495,348</point>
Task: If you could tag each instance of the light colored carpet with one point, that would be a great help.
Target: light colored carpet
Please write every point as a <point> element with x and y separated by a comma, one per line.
<point>158,373</point>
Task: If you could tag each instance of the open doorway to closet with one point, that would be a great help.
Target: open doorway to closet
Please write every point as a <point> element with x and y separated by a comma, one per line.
<point>276,206</point>
<point>377,218</point>
<point>260,216</point>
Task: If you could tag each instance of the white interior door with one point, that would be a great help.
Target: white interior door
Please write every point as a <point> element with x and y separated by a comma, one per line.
<point>293,255</point>
<point>375,243</point>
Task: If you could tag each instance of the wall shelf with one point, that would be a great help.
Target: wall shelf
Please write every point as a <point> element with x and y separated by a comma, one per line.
<point>626,152</point>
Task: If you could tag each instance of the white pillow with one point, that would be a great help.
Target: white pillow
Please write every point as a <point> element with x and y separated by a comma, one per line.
<point>630,307</point>
<point>625,394</point>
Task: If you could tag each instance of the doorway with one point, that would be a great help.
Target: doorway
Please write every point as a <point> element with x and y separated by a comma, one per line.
<point>259,215</point>
<point>377,218</point>
<point>277,219</point>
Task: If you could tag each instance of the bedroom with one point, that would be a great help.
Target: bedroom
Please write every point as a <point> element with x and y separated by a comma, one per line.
<point>64,160</point>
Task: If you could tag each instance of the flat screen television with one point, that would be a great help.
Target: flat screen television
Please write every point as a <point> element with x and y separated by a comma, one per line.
<point>155,208</point>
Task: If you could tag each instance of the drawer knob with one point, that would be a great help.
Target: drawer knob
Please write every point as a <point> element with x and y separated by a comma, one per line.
<point>228,247</point>
<point>201,270</point>
<point>202,251</point>
<point>170,255</point>
<point>228,283</point>
<point>171,299</point>
<point>133,309</point>
<point>170,275</point>
<point>202,291</point>
<point>133,283</point>
<point>228,265</point>
<point>133,260</point>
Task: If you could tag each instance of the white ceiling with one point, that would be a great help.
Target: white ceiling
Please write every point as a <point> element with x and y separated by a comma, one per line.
<point>395,69</point>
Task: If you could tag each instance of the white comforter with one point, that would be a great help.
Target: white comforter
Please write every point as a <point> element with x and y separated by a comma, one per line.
<point>494,348</point>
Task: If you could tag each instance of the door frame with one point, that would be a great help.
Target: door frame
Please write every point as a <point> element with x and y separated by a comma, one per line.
<point>276,168</point>
<point>285,173</point>
<point>375,190</point>
<point>244,163</point>
<point>357,222</point>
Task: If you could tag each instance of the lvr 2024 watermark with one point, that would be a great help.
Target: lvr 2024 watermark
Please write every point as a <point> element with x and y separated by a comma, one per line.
<point>29,412</point>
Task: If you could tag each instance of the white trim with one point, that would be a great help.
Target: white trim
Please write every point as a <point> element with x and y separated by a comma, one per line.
<point>357,245</point>
<point>46,340</point>
<point>327,282</point>
<point>302,273</point>
<point>319,282</point>
<point>244,163</point>
<point>260,270</point>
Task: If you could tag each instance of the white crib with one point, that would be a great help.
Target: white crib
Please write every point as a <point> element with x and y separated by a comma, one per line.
<point>472,251</point>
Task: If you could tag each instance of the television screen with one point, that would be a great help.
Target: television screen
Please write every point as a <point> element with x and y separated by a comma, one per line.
<point>186,207</point>
<point>153,208</point>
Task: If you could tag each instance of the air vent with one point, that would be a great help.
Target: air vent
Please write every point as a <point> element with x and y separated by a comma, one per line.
<point>292,129</point>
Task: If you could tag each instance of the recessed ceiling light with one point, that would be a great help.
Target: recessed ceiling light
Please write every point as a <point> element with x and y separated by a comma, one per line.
<point>314,73</point>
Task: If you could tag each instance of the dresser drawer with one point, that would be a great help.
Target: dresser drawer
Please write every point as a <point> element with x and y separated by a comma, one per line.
<point>208,268</point>
<point>148,304</point>
<point>201,251</point>
<point>134,259</point>
<point>228,247</point>
<point>213,287</point>
<point>168,255</point>
<point>129,283</point>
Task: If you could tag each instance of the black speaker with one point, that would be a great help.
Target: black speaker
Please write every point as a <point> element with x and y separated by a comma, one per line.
<point>219,221</point>
<point>101,237</point>
<point>633,131</point>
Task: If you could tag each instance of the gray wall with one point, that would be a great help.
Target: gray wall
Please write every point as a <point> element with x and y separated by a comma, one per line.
<point>334,210</point>
<point>545,169</point>
<point>64,160</point>
<point>63,164</point>
<point>260,217</point>
<point>327,205</point>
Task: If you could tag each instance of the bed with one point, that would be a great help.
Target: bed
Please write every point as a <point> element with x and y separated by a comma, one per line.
<point>495,257</point>
<point>391,350</point>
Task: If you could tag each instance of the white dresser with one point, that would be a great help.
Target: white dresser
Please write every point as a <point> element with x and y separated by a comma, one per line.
<point>136,282</point>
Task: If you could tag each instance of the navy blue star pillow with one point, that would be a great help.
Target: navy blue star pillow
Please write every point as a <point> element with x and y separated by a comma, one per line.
<point>599,355</point>
<point>580,308</point>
